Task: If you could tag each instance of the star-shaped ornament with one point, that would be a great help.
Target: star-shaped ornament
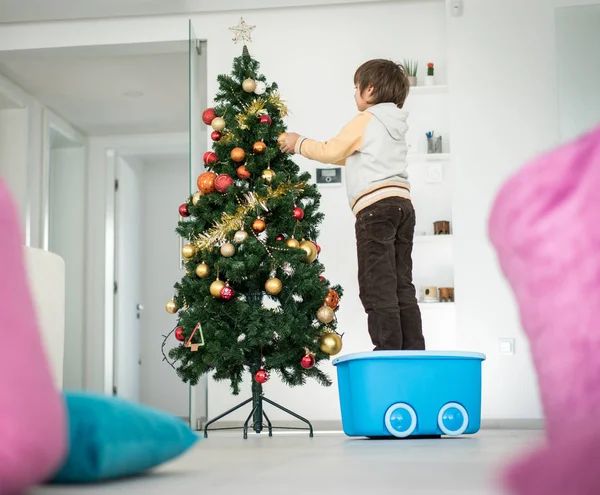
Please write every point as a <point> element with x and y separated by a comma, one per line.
<point>242,32</point>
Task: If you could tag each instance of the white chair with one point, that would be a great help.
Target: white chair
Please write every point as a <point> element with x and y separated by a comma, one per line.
<point>46,273</point>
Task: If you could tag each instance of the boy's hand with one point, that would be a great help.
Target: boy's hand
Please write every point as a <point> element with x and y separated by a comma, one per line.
<point>287,142</point>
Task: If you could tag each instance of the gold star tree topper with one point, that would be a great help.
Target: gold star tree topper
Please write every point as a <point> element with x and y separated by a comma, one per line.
<point>242,32</point>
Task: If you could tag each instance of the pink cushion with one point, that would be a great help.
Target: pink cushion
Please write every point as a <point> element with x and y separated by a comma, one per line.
<point>32,418</point>
<point>545,225</point>
<point>568,466</point>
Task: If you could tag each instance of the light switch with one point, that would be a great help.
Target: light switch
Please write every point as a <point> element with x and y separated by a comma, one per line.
<point>434,172</point>
<point>507,346</point>
<point>456,8</point>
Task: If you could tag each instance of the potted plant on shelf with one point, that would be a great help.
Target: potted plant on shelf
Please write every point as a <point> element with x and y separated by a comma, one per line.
<point>411,66</point>
<point>430,79</point>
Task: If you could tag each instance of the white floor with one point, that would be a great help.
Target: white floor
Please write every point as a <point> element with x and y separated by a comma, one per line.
<point>328,464</point>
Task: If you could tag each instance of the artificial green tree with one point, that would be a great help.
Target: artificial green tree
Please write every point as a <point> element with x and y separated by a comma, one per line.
<point>253,298</point>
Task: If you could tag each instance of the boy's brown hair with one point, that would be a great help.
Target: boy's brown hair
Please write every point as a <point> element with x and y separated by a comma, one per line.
<point>389,81</point>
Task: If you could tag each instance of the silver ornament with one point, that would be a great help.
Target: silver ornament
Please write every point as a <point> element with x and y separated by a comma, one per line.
<point>260,89</point>
<point>240,236</point>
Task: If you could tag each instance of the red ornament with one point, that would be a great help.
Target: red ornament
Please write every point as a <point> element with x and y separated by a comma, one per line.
<point>298,213</point>
<point>210,158</point>
<point>179,334</point>
<point>280,238</point>
<point>227,293</point>
<point>265,119</point>
<point>223,182</point>
<point>208,115</point>
<point>307,362</point>
<point>322,278</point>
<point>216,135</point>
<point>261,376</point>
<point>318,247</point>
<point>183,211</point>
<point>242,172</point>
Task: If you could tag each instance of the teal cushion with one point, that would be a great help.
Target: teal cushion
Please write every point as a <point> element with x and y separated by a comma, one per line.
<point>112,438</point>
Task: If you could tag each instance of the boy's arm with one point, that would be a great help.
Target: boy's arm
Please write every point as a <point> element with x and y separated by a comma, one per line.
<point>337,149</point>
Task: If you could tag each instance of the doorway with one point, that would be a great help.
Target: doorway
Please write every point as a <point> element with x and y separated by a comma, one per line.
<point>133,112</point>
<point>149,187</point>
<point>63,230</point>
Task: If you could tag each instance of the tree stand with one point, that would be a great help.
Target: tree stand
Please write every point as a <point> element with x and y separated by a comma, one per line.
<point>257,414</point>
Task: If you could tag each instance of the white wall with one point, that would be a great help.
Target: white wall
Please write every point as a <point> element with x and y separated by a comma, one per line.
<point>22,160</point>
<point>165,185</point>
<point>13,156</point>
<point>503,101</point>
<point>577,44</point>
<point>504,110</point>
<point>67,239</point>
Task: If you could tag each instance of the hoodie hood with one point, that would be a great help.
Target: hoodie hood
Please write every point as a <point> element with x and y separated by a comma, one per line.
<point>392,118</point>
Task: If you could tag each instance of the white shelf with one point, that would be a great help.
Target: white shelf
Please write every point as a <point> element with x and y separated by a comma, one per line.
<point>436,305</point>
<point>428,90</point>
<point>427,157</point>
<point>433,238</point>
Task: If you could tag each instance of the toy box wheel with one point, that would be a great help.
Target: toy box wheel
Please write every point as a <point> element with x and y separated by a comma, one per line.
<point>453,419</point>
<point>400,420</point>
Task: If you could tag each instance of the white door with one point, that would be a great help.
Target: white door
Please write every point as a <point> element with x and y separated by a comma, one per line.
<point>128,256</point>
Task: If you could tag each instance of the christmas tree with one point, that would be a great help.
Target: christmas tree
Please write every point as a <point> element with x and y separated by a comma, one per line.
<point>253,297</point>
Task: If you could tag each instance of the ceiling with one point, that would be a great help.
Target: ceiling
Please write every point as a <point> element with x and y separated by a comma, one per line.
<point>108,90</point>
<point>47,10</point>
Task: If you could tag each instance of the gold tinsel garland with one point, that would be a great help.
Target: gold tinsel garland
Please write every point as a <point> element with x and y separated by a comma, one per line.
<point>231,221</point>
<point>257,107</point>
<point>275,99</point>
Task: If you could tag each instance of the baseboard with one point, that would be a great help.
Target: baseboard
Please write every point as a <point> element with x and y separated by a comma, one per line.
<point>336,426</point>
<point>512,424</point>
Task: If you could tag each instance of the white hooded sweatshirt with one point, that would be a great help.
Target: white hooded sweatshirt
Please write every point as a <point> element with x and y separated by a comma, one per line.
<point>373,148</point>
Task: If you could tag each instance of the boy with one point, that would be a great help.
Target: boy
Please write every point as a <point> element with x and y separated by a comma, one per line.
<point>373,148</point>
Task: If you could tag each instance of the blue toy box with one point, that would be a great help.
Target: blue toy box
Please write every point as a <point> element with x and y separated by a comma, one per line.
<point>410,393</point>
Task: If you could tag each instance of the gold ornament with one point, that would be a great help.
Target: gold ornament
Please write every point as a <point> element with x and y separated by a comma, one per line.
<point>203,270</point>
<point>268,175</point>
<point>249,85</point>
<point>188,251</point>
<point>259,225</point>
<point>196,198</point>
<point>292,243</point>
<point>311,251</point>
<point>238,155</point>
<point>325,314</point>
<point>228,250</point>
<point>273,286</point>
<point>218,124</point>
<point>240,236</point>
<point>259,147</point>
<point>281,138</point>
<point>330,343</point>
<point>231,221</point>
<point>216,287</point>
<point>172,307</point>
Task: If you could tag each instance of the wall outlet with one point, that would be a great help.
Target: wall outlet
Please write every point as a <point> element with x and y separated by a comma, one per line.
<point>507,346</point>
<point>434,172</point>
